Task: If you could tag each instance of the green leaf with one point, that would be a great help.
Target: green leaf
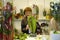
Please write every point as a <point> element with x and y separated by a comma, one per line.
<point>32,23</point>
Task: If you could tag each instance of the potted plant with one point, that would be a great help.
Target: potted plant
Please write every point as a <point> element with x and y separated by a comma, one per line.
<point>32,24</point>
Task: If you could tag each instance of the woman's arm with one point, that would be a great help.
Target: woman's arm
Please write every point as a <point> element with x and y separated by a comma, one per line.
<point>24,27</point>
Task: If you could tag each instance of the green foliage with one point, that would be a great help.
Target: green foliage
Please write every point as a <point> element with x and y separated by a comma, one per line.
<point>21,36</point>
<point>44,13</point>
<point>7,31</point>
<point>56,10</point>
<point>1,30</point>
<point>56,32</point>
<point>32,23</point>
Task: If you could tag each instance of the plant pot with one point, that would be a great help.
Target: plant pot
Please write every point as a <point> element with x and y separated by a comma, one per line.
<point>33,35</point>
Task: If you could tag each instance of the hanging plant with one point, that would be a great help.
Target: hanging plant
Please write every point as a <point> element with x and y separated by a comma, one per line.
<point>44,13</point>
<point>35,9</point>
<point>21,12</point>
<point>56,10</point>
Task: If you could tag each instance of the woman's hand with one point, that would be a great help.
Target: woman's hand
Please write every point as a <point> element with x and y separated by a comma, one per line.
<point>27,27</point>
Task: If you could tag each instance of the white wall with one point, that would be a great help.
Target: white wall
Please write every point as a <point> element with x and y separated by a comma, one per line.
<point>21,4</point>
<point>17,25</point>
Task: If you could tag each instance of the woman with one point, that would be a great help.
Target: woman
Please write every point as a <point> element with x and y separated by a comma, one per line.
<point>24,23</point>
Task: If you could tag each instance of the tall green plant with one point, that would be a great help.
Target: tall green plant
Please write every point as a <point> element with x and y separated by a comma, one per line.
<point>32,23</point>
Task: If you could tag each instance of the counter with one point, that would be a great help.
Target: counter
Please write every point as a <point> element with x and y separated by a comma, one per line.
<point>39,37</point>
